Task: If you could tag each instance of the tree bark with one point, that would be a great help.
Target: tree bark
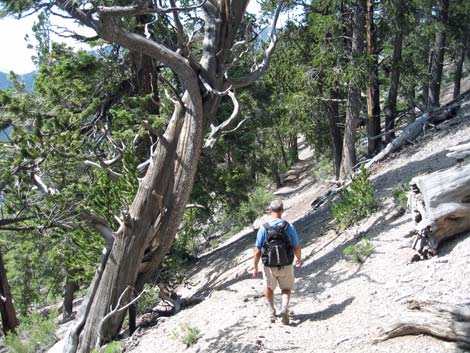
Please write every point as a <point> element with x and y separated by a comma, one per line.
<point>373,90</point>
<point>353,108</point>
<point>391,109</point>
<point>438,54</point>
<point>335,131</point>
<point>71,286</point>
<point>459,66</point>
<point>7,309</point>
<point>293,148</point>
<point>275,174</point>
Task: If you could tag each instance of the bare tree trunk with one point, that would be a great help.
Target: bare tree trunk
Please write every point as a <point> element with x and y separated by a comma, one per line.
<point>293,148</point>
<point>150,224</point>
<point>459,67</point>
<point>71,286</point>
<point>282,149</point>
<point>427,58</point>
<point>7,309</point>
<point>391,109</point>
<point>438,55</point>
<point>373,90</point>
<point>353,109</point>
<point>275,173</point>
<point>411,94</point>
<point>154,214</point>
<point>335,131</point>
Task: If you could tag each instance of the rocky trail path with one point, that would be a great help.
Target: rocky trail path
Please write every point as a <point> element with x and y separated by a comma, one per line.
<point>338,305</point>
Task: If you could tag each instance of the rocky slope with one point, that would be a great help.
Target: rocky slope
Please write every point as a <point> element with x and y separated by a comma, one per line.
<point>338,305</point>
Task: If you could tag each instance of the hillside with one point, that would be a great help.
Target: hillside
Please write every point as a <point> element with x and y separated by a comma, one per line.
<point>28,80</point>
<point>339,306</point>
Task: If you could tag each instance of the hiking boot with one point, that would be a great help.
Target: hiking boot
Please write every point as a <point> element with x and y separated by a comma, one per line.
<point>272,315</point>
<point>284,316</point>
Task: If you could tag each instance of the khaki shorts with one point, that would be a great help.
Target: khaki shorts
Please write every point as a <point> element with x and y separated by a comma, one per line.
<point>283,276</point>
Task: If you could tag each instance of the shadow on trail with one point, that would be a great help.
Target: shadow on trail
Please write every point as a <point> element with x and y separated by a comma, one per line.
<point>227,340</point>
<point>325,314</point>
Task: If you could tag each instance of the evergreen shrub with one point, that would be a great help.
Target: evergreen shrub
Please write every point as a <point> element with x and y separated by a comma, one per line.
<point>356,202</point>
<point>400,195</point>
<point>188,334</point>
<point>35,334</point>
<point>251,209</point>
<point>360,251</point>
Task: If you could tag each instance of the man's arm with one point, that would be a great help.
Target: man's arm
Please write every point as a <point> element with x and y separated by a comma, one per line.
<point>298,255</point>
<point>256,258</point>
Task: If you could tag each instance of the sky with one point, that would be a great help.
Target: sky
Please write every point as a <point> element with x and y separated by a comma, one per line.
<point>14,54</point>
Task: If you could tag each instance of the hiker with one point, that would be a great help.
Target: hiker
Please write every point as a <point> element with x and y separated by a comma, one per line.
<point>276,244</point>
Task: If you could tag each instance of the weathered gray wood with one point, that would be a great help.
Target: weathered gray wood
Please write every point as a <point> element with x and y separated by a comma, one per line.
<point>459,152</point>
<point>440,205</point>
<point>447,321</point>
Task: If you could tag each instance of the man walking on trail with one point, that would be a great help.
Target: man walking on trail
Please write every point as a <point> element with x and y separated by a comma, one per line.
<point>276,244</point>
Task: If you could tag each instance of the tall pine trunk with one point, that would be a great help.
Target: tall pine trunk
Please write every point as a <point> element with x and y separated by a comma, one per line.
<point>71,287</point>
<point>438,54</point>
<point>373,90</point>
<point>353,107</point>
<point>293,148</point>
<point>459,66</point>
<point>7,309</point>
<point>391,108</point>
<point>335,131</point>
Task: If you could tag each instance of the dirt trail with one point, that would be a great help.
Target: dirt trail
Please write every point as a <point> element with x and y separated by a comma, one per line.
<point>338,306</point>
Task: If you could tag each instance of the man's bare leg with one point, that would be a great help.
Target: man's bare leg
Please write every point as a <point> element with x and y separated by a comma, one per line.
<point>269,294</point>
<point>285,298</point>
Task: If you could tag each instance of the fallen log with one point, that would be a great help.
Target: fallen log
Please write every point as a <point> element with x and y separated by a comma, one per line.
<point>459,152</point>
<point>450,322</point>
<point>410,133</point>
<point>440,207</point>
<point>414,129</point>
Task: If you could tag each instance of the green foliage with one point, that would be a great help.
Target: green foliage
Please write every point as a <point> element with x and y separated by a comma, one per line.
<point>360,251</point>
<point>34,334</point>
<point>187,334</point>
<point>357,201</point>
<point>149,299</point>
<point>111,347</point>
<point>400,195</point>
<point>254,207</point>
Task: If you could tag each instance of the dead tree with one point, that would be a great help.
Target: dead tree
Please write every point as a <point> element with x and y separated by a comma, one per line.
<point>149,225</point>
<point>450,322</point>
<point>440,207</point>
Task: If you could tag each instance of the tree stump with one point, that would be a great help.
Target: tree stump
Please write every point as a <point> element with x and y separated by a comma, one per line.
<point>450,322</point>
<point>440,206</point>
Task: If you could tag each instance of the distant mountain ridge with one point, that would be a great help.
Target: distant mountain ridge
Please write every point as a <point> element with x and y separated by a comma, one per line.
<point>28,80</point>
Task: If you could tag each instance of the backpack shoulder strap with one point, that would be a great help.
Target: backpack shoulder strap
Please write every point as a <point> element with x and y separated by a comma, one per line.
<point>267,226</point>
<point>285,225</point>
